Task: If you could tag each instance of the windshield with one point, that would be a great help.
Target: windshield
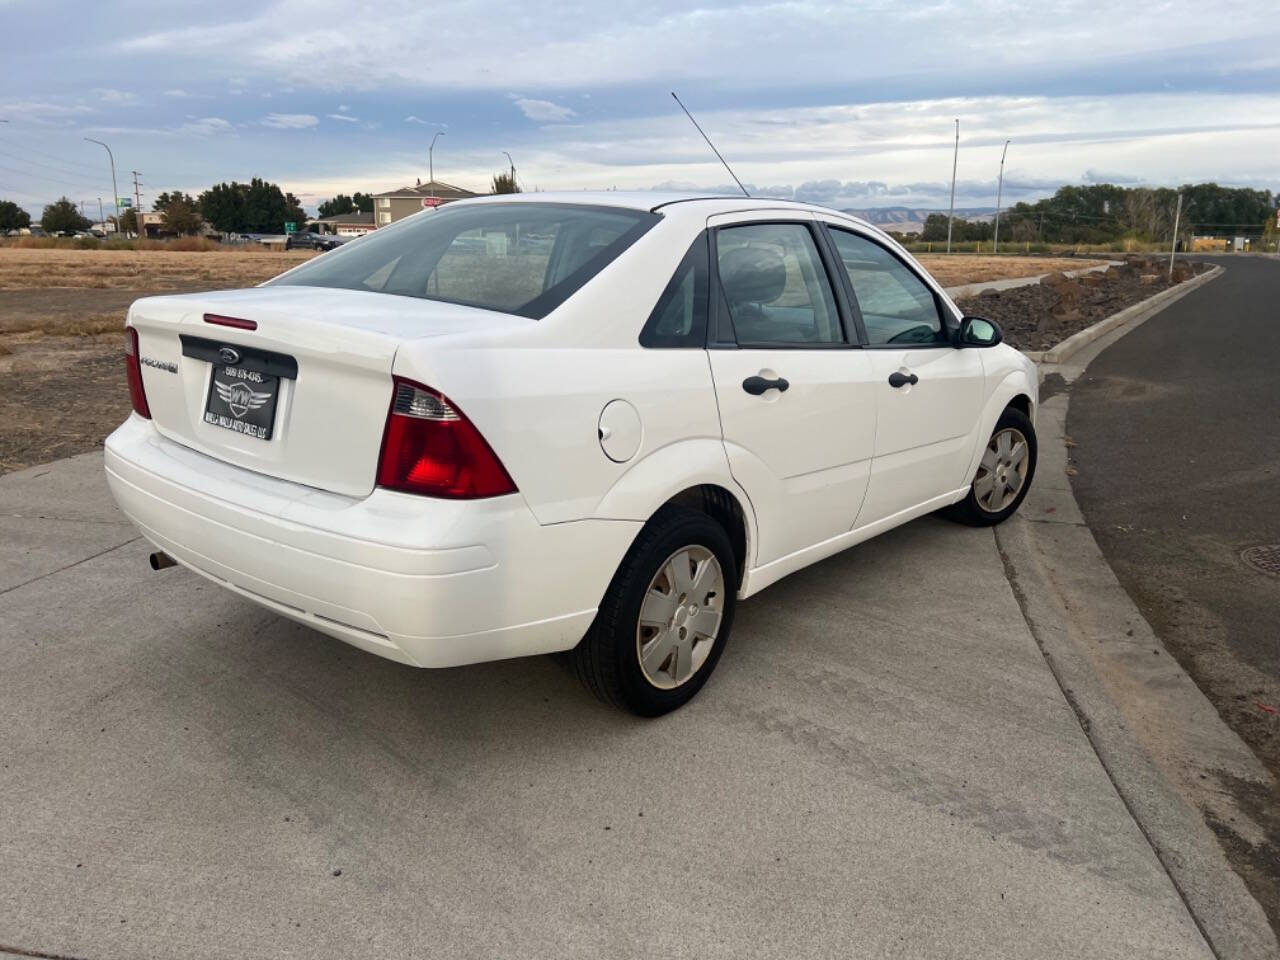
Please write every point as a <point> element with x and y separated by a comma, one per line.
<point>521,258</point>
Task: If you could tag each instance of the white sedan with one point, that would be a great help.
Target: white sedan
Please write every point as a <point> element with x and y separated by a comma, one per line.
<point>579,422</point>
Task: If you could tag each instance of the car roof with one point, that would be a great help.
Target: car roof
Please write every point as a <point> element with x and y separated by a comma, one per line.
<point>707,204</point>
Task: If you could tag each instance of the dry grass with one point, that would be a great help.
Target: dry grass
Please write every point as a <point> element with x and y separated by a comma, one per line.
<point>91,325</point>
<point>34,269</point>
<point>957,269</point>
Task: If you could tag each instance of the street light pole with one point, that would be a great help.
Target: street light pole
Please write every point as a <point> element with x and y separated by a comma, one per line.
<point>115,191</point>
<point>955,160</point>
<point>512,163</point>
<point>995,241</point>
<point>431,161</point>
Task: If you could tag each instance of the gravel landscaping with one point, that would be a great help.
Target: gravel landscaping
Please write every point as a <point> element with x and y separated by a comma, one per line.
<point>1041,315</point>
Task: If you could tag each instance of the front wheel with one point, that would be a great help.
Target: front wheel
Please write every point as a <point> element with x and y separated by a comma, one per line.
<point>665,618</point>
<point>1004,474</point>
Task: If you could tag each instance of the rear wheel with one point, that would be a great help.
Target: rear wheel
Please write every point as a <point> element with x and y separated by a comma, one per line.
<point>1004,474</point>
<point>666,616</point>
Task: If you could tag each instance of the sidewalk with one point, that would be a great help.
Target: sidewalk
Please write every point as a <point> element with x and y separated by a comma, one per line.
<point>883,765</point>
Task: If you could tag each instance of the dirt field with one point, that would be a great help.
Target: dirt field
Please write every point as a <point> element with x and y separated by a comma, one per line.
<point>61,314</point>
<point>956,269</point>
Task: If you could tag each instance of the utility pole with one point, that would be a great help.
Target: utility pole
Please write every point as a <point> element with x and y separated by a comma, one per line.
<point>137,198</point>
<point>1177,216</point>
<point>431,161</point>
<point>102,221</point>
<point>115,191</point>
<point>995,244</point>
<point>955,160</point>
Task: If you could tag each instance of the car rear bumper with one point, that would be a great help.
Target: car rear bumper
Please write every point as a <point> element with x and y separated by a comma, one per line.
<point>427,582</point>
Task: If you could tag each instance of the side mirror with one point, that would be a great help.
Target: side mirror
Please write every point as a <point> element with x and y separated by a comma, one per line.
<point>978,332</point>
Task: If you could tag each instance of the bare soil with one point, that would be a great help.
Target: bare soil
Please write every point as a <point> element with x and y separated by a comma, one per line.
<point>1042,315</point>
<point>954,270</point>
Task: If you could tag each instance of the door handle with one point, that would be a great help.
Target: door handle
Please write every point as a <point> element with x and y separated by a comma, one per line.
<point>897,379</point>
<point>758,385</point>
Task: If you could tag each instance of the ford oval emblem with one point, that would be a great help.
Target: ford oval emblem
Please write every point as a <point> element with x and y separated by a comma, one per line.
<point>229,356</point>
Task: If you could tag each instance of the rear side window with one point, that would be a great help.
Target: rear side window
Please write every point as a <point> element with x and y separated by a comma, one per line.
<point>680,317</point>
<point>774,286</point>
<point>898,309</point>
<point>521,258</point>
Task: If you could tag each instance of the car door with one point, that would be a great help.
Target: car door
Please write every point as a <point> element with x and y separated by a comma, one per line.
<point>794,388</point>
<point>928,392</point>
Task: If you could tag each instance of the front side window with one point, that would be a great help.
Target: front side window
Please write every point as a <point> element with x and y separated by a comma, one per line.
<point>898,309</point>
<point>521,258</point>
<point>774,286</point>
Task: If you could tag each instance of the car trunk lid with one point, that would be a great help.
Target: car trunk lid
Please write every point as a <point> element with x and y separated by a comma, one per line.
<point>304,394</point>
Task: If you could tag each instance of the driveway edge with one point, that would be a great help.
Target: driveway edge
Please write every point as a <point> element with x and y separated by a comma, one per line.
<point>1157,736</point>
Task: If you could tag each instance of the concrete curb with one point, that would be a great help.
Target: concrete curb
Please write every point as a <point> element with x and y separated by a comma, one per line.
<point>972,289</point>
<point>1159,738</point>
<point>1078,341</point>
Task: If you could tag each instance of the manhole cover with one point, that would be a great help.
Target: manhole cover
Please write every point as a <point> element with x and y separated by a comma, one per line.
<point>1265,558</point>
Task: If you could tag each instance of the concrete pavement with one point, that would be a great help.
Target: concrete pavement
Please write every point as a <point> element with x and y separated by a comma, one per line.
<point>883,765</point>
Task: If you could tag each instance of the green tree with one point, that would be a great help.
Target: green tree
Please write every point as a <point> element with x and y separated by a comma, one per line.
<point>253,207</point>
<point>181,215</point>
<point>504,183</point>
<point>128,221</point>
<point>162,202</point>
<point>63,215</point>
<point>337,206</point>
<point>357,202</point>
<point>12,216</point>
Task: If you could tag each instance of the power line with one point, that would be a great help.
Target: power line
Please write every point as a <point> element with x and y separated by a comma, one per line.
<point>64,182</point>
<point>51,156</point>
<point>77,181</point>
<point>43,164</point>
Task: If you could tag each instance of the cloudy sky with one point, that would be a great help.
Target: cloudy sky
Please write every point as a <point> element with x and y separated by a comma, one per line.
<point>850,104</point>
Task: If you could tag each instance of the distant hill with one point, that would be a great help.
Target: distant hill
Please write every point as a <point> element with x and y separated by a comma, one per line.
<point>911,219</point>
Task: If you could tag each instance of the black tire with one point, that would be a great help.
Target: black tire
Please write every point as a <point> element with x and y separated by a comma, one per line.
<point>607,660</point>
<point>970,510</point>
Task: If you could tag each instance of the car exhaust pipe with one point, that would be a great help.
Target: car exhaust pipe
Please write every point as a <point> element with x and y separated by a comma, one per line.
<point>159,560</point>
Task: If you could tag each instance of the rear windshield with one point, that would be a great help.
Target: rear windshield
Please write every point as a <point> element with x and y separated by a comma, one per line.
<point>521,258</point>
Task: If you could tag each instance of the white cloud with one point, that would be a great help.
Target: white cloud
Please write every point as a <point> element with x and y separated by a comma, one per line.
<point>343,108</point>
<point>116,97</point>
<point>177,93</point>
<point>543,111</point>
<point>345,118</point>
<point>206,126</point>
<point>290,121</point>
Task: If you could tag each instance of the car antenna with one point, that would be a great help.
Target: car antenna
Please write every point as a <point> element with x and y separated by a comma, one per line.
<point>711,145</point>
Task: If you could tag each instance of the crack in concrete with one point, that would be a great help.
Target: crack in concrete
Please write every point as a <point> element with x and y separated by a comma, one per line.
<point>68,566</point>
<point>20,952</point>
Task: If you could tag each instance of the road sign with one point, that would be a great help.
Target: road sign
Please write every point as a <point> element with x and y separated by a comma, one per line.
<point>290,227</point>
<point>124,201</point>
<point>431,201</point>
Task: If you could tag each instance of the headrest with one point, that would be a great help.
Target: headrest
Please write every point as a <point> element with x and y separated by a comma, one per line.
<point>752,274</point>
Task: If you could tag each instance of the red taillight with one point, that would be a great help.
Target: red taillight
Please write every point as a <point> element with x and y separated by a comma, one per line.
<point>430,448</point>
<point>132,365</point>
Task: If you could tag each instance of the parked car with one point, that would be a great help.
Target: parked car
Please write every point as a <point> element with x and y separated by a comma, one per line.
<point>309,240</point>
<point>445,452</point>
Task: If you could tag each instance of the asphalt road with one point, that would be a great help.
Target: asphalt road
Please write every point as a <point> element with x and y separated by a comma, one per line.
<point>1177,433</point>
<point>882,766</point>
